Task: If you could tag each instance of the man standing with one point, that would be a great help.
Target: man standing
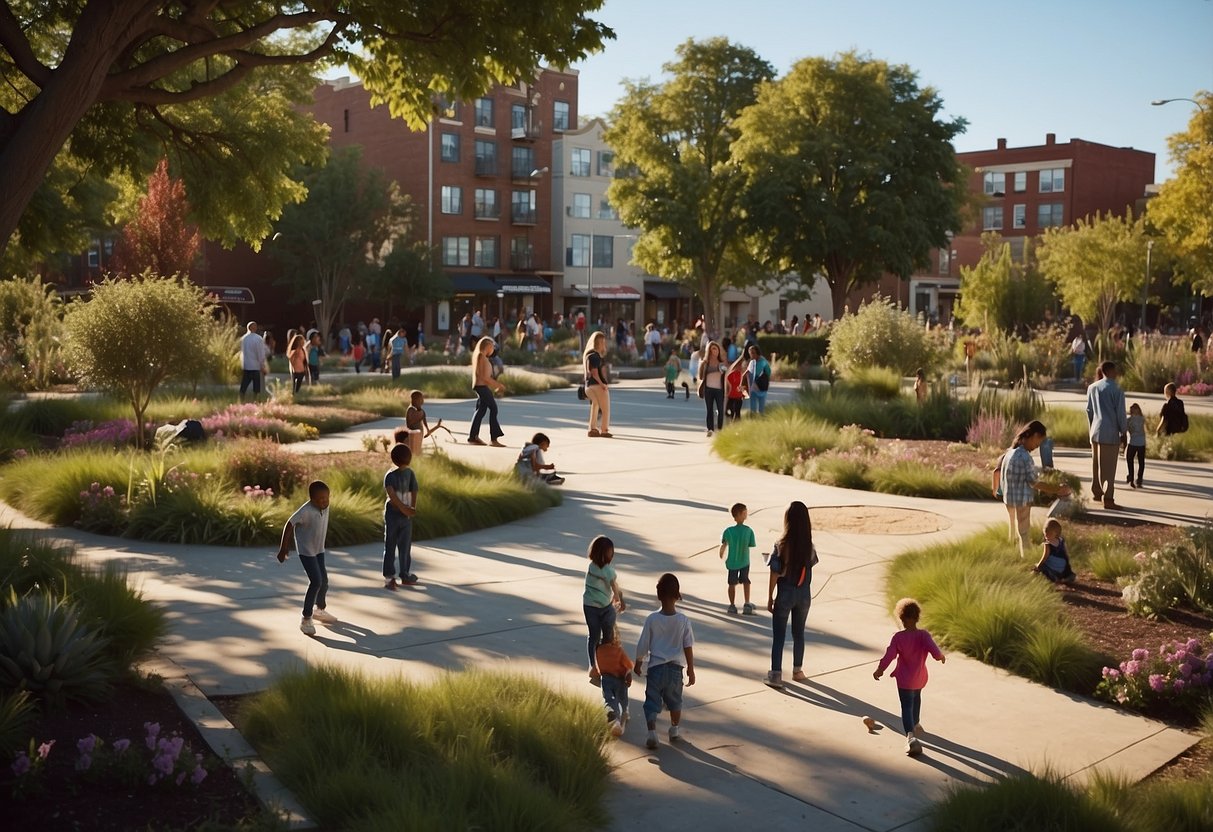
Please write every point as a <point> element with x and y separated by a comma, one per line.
<point>1106,415</point>
<point>253,353</point>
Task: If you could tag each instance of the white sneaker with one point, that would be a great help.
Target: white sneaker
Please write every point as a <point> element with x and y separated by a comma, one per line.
<point>775,680</point>
<point>307,627</point>
<point>913,747</point>
<point>324,617</point>
<point>675,733</point>
<point>651,741</point>
<point>616,728</point>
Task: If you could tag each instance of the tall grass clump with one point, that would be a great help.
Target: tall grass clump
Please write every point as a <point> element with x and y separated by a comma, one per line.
<point>1022,803</point>
<point>872,382</point>
<point>1152,364</point>
<point>912,479</point>
<point>48,487</point>
<point>1017,406</point>
<point>770,443</point>
<point>470,750</point>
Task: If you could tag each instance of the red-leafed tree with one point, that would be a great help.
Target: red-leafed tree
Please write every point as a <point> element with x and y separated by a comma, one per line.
<point>159,238</point>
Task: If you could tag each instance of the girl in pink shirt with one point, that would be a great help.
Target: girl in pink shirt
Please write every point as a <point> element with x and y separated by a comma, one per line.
<point>911,647</point>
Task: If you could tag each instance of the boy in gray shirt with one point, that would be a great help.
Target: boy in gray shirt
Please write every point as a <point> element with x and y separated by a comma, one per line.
<point>308,528</point>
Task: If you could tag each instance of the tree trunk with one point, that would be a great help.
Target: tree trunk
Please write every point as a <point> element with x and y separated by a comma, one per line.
<point>43,126</point>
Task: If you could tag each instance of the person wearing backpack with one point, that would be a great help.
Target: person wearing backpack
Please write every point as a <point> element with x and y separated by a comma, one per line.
<point>758,380</point>
<point>1173,419</point>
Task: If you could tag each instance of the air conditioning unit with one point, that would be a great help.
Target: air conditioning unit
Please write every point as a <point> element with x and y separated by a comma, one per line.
<point>517,132</point>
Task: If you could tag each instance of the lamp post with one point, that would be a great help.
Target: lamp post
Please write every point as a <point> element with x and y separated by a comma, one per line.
<point>1158,102</point>
<point>1145,290</point>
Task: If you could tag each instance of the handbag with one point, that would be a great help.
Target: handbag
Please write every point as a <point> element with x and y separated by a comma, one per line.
<point>581,392</point>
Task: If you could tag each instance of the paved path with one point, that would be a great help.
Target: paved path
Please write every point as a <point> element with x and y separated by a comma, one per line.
<point>510,597</point>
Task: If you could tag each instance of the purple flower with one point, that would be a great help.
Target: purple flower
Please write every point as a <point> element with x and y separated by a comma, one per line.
<point>163,764</point>
<point>121,745</point>
<point>1179,685</point>
<point>198,776</point>
<point>153,730</point>
<point>1157,683</point>
<point>21,765</point>
<point>1131,668</point>
<point>1140,654</point>
<point>86,745</point>
<point>84,763</point>
<point>44,750</point>
<point>180,778</point>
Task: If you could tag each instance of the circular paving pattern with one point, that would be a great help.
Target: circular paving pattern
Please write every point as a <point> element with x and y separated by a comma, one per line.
<point>876,520</point>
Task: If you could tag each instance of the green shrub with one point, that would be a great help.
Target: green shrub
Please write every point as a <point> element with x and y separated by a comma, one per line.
<point>130,625</point>
<point>872,382</point>
<point>1018,406</point>
<point>469,750</point>
<point>16,717</point>
<point>770,443</point>
<point>45,649</point>
<point>880,334</point>
<point>213,512</point>
<point>1154,363</point>
<point>1174,576</point>
<point>267,464</point>
<point>912,479</point>
<point>1109,564</point>
<point>941,416</point>
<point>1068,427</point>
<point>48,487</point>
<point>802,349</point>
<point>1022,803</point>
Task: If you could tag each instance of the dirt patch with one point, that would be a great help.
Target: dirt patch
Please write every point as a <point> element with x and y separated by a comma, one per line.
<point>877,520</point>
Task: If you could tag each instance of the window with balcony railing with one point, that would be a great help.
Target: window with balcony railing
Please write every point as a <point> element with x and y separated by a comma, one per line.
<point>486,204</point>
<point>486,158</point>
<point>522,207</point>
<point>522,162</point>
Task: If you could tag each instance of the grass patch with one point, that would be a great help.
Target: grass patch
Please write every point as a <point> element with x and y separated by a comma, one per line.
<point>979,597</point>
<point>1069,427</point>
<point>880,383</point>
<point>911,479</point>
<point>770,443</point>
<point>471,750</point>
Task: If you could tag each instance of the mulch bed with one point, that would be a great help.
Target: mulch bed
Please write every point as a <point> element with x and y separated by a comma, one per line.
<point>66,799</point>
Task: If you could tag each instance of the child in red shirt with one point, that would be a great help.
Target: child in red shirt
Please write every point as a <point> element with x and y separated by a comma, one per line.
<point>911,646</point>
<point>616,670</point>
<point>733,390</point>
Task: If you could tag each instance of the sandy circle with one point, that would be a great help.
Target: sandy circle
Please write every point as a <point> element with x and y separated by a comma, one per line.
<point>876,520</point>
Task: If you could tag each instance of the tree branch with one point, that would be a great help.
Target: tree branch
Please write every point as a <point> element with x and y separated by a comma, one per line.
<point>13,39</point>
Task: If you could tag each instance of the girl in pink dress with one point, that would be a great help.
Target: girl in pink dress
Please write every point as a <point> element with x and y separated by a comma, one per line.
<point>910,646</point>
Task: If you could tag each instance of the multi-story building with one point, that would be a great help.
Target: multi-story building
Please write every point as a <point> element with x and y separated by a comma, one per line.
<point>595,247</point>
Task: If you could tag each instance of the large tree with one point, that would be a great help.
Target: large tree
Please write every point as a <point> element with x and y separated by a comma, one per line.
<point>851,170</point>
<point>1095,264</point>
<point>1003,291</point>
<point>332,244</point>
<point>112,85</point>
<point>1183,209</point>
<point>681,188</point>
<point>160,237</point>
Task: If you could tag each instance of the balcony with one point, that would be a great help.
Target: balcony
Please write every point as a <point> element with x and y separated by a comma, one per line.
<point>523,216</point>
<point>522,260</point>
<point>486,166</point>
<point>528,132</point>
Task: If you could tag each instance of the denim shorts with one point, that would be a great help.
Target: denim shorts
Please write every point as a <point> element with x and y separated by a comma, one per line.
<point>664,686</point>
<point>739,576</point>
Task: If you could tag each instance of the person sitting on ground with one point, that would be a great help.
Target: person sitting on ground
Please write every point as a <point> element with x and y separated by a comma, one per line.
<point>531,463</point>
<point>1055,560</point>
<point>1173,419</point>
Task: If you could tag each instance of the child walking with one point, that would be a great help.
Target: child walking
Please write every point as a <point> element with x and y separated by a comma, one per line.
<point>666,640</point>
<point>1135,447</point>
<point>308,528</point>
<point>400,487</point>
<point>600,598</point>
<point>910,646</point>
<point>616,670</point>
<point>734,389</point>
<point>1055,560</point>
<point>737,540</point>
<point>414,420</point>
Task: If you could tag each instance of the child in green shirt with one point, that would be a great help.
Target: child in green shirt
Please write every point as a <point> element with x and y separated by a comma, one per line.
<point>737,540</point>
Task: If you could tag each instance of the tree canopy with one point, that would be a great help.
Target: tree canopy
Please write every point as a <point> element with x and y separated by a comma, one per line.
<point>1096,264</point>
<point>1181,211</point>
<point>159,238</point>
<point>851,172</point>
<point>1002,291</point>
<point>107,87</point>
<point>674,142</point>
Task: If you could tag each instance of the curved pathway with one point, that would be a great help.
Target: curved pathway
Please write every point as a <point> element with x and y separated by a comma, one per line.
<point>510,596</point>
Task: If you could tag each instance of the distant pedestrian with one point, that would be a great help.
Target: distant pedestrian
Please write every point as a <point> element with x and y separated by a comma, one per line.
<point>307,530</point>
<point>711,385</point>
<point>398,344</point>
<point>758,380</point>
<point>399,509</point>
<point>483,385</point>
<point>789,592</point>
<point>1108,425</point>
<point>314,352</point>
<point>593,362</point>
<point>600,599</point>
<point>253,355</point>
<point>296,356</point>
<point>920,386</point>
<point>666,642</point>
<point>1135,447</point>
<point>910,646</point>
<point>734,389</point>
<point>1173,419</point>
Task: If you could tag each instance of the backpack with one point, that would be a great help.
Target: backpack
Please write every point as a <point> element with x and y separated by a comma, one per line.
<point>1181,419</point>
<point>763,381</point>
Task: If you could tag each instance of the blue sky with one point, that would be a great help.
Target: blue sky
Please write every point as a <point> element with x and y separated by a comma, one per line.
<point>1083,69</point>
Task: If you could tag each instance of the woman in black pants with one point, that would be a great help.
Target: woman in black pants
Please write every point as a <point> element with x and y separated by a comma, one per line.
<point>712,372</point>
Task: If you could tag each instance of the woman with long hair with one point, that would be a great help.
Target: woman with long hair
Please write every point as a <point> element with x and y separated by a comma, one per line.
<point>712,372</point>
<point>788,594</point>
<point>296,356</point>
<point>1018,478</point>
<point>592,362</point>
<point>483,385</point>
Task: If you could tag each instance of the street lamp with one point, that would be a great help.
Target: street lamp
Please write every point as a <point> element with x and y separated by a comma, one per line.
<point>1145,290</point>
<point>1158,102</point>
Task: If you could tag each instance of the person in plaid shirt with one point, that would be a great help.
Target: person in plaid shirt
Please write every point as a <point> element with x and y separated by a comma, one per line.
<point>1018,480</point>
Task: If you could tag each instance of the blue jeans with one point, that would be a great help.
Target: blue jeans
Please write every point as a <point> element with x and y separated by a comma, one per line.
<point>485,403</point>
<point>615,694</point>
<point>252,377</point>
<point>1080,361</point>
<point>397,537</point>
<point>663,685</point>
<point>790,601</point>
<point>911,704</point>
<point>758,400</point>
<point>317,582</point>
<point>600,620</point>
<point>713,397</point>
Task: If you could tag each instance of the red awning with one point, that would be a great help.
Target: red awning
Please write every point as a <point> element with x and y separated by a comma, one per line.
<point>615,293</point>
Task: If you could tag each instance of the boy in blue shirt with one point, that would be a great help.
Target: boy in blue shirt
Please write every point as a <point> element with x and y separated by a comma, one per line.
<point>737,540</point>
<point>400,485</point>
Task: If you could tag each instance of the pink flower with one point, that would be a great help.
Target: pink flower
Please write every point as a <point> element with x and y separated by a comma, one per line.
<point>1140,654</point>
<point>1179,685</point>
<point>1157,683</point>
<point>44,750</point>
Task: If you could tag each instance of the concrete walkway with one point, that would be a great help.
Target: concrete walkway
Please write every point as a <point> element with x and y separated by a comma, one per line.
<point>510,597</point>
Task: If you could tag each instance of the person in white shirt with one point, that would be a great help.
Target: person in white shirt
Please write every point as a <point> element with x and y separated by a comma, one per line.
<point>666,641</point>
<point>253,354</point>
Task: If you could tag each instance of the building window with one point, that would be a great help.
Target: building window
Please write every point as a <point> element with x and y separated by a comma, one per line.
<point>486,158</point>
<point>991,218</point>
<point>580,165</point>
<point>1049,215</point>
<point>522,162</point>
<point>606,211</point>
<point>520,253</point>
<point>1019,216</point>
<point>486,252</point>
<point>560,115</point>
<point>452,199</point>
<point>581,206</point>
<point>522,206</point>
<point>579,250</point>
<point>1053,181</point>
<point>94,254</point>
<point>448,109</point>
<point>518,116</point>
<point>604,252</point>
<point>486,204</point>
<point>994,184</point>
<point>484,112</point>
<point>606,163</point>
<point>456,251</point>
<point>1021,181</point>
<point>450,147</point>
<point>346,118</point>
<point>945,262</point>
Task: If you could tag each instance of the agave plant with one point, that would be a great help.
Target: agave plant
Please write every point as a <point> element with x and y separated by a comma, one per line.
<point>45,649</point>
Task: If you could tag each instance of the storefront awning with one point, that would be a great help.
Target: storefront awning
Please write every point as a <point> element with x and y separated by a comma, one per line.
<point>473,284</point>
<point>664,290</point>
<point>615,293</point>
<point>734,296</point>
<point>524,286</point>
<point>229,294</point>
